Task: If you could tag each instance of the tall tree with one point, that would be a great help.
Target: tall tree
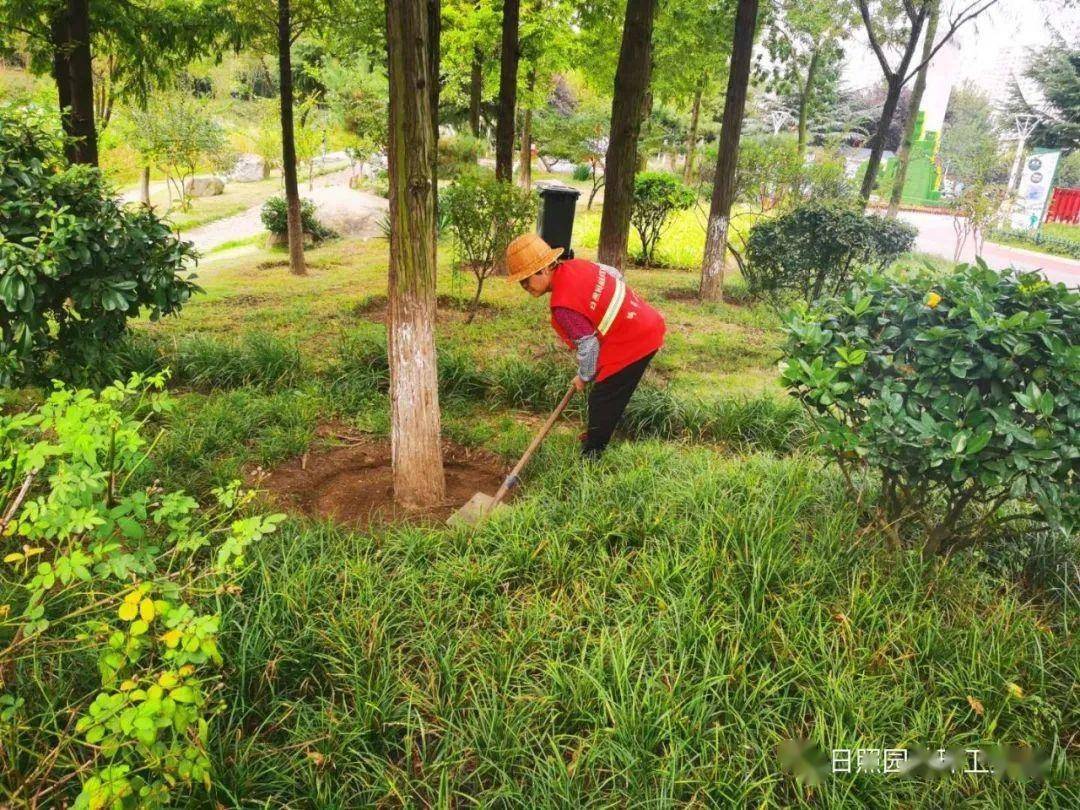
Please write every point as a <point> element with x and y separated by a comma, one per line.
<point>891,26</point>
<point>414,391</point>
<point>504,127</point>
<point>288,141</point>
<point>628,108</point>
<point>1054,72</point>
<point>82,82</point>
<point>804,41</point>
<point>712,266</point>
<point>904,155</point>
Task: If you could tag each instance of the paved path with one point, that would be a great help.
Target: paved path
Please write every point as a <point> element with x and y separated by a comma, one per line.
<point>937,236</point>
<point>350,212</point>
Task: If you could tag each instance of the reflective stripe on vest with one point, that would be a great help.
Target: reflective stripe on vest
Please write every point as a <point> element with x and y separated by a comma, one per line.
<point>614,305</point>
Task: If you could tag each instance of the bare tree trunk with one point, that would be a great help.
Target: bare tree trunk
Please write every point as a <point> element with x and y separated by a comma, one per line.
<point>877,140</point>
<point>288,143</point>
<point>691,139</point>
<point>476,89</point>
<point>804,98</point>
<point>82,83</point>
<point>712,267</point>
<point>627,108</point>
<point>504,128</point>
<point>904,155</point>
<point>434,11</point>
<point>144,186</point>
<point>414,390</point>
<point>646,127</point>
<point>60,37</point>
<point>525,169</point>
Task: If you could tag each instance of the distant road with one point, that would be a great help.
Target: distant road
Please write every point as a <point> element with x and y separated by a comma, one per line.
<point>936,236</point>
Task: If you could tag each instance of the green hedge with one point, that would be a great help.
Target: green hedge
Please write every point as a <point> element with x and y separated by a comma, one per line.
<point>1058,245</point>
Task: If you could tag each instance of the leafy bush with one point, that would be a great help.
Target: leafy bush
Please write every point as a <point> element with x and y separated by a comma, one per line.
<point>582,172</point>
<point>1038,240</point>
<point>75,264</point>
<point>962,393</point>
<point>483,215</point>
<point>657,195</point>
<point>458,153</point>
<point>119,588</point>
<point>815,249</point>
<point>275,218</point>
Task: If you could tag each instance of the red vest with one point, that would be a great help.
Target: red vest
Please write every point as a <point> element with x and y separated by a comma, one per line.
<point>628,328</point>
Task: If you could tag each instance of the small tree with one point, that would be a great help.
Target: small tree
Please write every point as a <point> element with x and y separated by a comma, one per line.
<point>75,263</point>
<point>176,134</point>
<point>656,197</point>
<point>816,249</point>
<point>484,214</point>
<point>958,393</point>
<point>975,211</point>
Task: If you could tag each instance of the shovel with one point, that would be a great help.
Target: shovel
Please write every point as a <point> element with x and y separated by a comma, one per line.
<point>481,504</point>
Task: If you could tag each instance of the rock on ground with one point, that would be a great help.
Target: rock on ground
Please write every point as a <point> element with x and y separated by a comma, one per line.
<point>204,187</point>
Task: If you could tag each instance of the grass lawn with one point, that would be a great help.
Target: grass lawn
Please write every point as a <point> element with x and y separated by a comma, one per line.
<point>640,632</point>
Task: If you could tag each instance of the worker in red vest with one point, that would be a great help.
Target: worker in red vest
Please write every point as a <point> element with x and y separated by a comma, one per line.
<point>614,332</point>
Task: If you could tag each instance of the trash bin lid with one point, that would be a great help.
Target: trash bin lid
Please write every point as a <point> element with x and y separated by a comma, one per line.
<point>555,188</point>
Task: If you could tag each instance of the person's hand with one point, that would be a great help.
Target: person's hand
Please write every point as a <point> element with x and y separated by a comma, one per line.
<point>579,384</point>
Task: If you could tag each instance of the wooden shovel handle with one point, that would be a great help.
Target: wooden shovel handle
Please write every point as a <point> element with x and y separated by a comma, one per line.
<point>511,480</point>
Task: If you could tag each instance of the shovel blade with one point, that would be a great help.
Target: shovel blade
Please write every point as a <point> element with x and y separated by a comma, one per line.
<point>475,510</point>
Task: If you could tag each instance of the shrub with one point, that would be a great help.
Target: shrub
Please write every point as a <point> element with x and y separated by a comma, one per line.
<point>458,153</point>
<point>961,393</point>
<point>815,249</point>
<point>657,196</point>
<point>112,597</point>
<point>1039,240</point>
<point>275,218</point>
<point>483,215</point>
<point>75,264</point>
<point>582,172</point>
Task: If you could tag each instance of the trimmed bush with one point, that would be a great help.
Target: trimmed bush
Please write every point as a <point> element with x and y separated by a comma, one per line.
<point>1038,240</point>
<point>458,153</point>
<point>816,249</point>
<point>75,264</point>
<point>275,218</point>
<point>961,393</point>
<point>657,195</point>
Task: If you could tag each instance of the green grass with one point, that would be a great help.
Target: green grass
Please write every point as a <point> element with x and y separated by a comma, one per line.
<point>639,632</point>
<point>634,634</point>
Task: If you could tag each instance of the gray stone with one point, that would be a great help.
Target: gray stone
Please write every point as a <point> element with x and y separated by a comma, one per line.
<point>204,187</point>
<point>249,168</point>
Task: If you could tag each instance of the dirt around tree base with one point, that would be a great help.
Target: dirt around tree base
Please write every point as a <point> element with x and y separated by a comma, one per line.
<point>352,483</point>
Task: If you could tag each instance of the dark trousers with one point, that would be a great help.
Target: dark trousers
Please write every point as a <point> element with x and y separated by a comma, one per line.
<point>607,401</point>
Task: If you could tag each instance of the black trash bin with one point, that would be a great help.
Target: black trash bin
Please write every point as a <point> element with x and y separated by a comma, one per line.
<point>556,221</point>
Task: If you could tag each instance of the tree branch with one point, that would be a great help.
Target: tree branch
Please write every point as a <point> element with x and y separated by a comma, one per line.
<point>864,12</point>
<point>972,11</point>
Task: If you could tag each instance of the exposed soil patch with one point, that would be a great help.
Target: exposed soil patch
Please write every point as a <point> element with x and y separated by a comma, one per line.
<point>352,483</point>
<point>373,307</point>
<point>272,263</point>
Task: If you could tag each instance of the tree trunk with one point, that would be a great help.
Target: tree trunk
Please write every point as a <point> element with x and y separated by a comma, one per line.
<point>712,266</point>
<point>525,169</point>
<point>476,89</point>
<point>627,112</point>
<point>504,129</point>
<point>61,73</point>
<point>288,143</point>
<point>82,83</point>
<point>804,98</point>
<point>434,11</point>
<point>691,139</point>
<point>877,141</point>
<point>144,186</point>
<point>414,390</point>
<point>904,155</point>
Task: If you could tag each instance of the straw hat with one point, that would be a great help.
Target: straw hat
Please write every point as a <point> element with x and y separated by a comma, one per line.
<point>528,254</point>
